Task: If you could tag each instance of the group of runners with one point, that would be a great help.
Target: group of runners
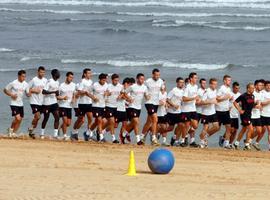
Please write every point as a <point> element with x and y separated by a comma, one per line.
<point>107,104</point>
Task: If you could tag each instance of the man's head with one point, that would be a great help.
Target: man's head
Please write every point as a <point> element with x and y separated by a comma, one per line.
<point>41,72</point>
<point>132,80</point>
<point>250,88</point>
<point>140,78</point>
<point>102,78</point>
<point>87,73</point>
<point>203,83</point>
<point>55,74</point>
<point>180,82</point>
<point>267,86</point>
<point>69,77</point>
<point>227,80</point>
<point>155,74</point>
<point>115,79</point>
<point>213,83</point>
<point>21,75</point>
<point>235,87</point>
<point>193,77</point>
<point>259,85</point>
<point>126,82</point>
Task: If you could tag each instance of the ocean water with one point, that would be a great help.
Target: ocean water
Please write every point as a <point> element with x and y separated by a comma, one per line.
<point>211,37</point>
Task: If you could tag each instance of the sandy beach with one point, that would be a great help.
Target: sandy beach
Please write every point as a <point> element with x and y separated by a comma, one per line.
<point>64,170</point>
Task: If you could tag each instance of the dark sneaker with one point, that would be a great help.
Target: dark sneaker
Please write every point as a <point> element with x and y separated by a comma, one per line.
<point>74,137</point>
<point>97,136</point>
<point>236,147</point>
<point>158,136</point>
<point>103,140</point>
<point>221,141</point>
<point>228,147</point>
<point>85,136</point>
<point>186,141</point>
<point>128,138</point>
<point>256,146</point>
<point>183,144</point>
<point>172,141</point>
<point>194,145</point>
<point>122,138</point>
<point>247,148</point>
<point>31,134</point>
<point>140,143</point>
<point>115,142</point>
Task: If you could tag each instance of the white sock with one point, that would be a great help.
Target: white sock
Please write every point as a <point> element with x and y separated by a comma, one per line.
<point>101,136</point>
<point>154,137</point>
<point>113,137</point>
<point>202,142</point>
<point>11,130</point>
<point>65,135</point>
<point>164,139</point>
<point>138,138</point>
<point>192,140</point>
<point>75,131</point>
<point>236,143</point>
<point>226,143</point>
<point>42,132</point>
<point>55,132</point>
<point>90,133</point>
<point>124,134</point>
<point>183,140</point>
<point>142,136</point>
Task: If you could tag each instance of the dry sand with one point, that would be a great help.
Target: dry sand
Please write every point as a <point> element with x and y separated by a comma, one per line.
<point>64,170</point>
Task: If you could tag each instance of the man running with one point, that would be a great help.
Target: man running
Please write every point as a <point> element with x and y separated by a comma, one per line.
<point>50,105</point>
<point>189,112</point>
<point>209,116</point>
<point>154,86</point>
<point>201,92</point>
<point>234,114</point>
<point>137,93</point>
<point>113,92</point>
<point>66,99</point>
<point>174,100</point>
<point>224,95</point>
<point>15,90</point>
<point>36,85</point>
<point>244,104</point>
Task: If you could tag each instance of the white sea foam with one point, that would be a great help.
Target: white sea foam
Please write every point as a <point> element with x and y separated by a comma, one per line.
<point>6,50</point>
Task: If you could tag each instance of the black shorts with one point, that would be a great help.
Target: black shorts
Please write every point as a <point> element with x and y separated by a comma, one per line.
<point>50,108</point>
<point>110,112</point>
<point>77,112</point>
<point>162,120</point>
<point>223,117</point>
<point>235,123</point>
<point>188,116</point>
<point>207,119</point>
<point>121,116</point>
<point>265,121</point>
<point>17,110</point>
<point>199,116</point>
<point>98,112</point>
<point>151,108</point>
<point>133,113</point>
<point>174,118</point>
<point>36,108</point>
<point>85,108</point>
<point>65,112</point>
<point>245,119</point>
<point>256,122</point>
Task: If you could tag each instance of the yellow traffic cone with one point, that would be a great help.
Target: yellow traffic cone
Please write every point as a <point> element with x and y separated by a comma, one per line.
<point>131,167</point>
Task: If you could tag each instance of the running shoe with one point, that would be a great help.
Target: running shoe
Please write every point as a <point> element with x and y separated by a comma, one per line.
<point>221,141</point>
<point>186,141</point>
<point>74,137</point>
<point>247,148</point>
<point>31,134</point>
<point>183,144</point>
<point>155,142</point>
<point>256,146</point>
<point>194,145</point>
<point>165,144</point>
<point>172,141</point>
<point>102,140</point>
<point>128,138</point>
<point>115,142</point>
<point>122,138</point>
<point>236,147</point>
<point>85,136</point>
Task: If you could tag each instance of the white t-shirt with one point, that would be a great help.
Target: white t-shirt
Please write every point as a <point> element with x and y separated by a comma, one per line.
<point>233,111</point>
<point>19,88</point>
<point>85,85</point>
<point>137,93</point>
<point>223,105</point>
<point>209,109</point>
<point>37,83</point>
<point>266,109</point>
<point>51,86</point>
<point>200,94</point>
<point>161,112</point>
<point>76,100</point>
<point>111,101</point>
<point>175,96</point>
<point>153,89</point>
<point>256,113</point>
<point>190,91</point>
<point>67,90</point>
<point>99,92</point>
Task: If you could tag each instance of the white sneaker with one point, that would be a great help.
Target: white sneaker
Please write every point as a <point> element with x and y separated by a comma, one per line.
<point>14,135</point>
<point>42,137</point>
<point>9,132</point>
<point>66,138</point>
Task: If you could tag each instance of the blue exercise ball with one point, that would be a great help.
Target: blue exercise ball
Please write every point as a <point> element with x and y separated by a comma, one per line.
<point>161,161</point>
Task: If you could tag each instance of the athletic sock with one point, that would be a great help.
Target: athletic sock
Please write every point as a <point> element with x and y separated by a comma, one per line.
<point>75,131</point>
<point>55,134</point>
<point>90,133</point>
<point>113,137</point>
<point>65,135</point>
<point>124,134</point>
<point>164,139</point>
<point>154,137</point>
<point>183,140</point>
<point>202,142</point>
<point>42,132</point>
<point>142,136</point>
<point>226,143</point>
<point>138,138</point>
<point>192,140</point>
<point>10,131</point>
<point>236,143</point>
<point>101,136</point>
